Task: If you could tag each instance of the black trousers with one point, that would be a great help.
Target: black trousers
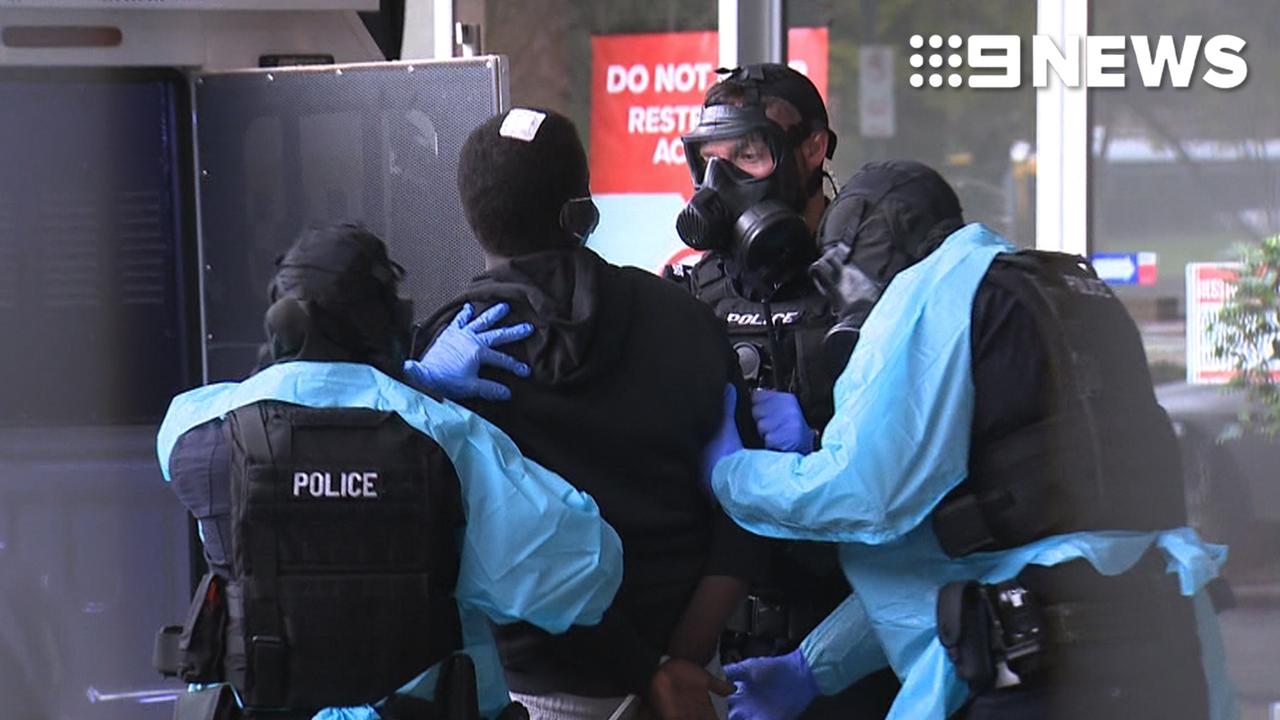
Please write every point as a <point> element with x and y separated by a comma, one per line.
<point>1153,672</point>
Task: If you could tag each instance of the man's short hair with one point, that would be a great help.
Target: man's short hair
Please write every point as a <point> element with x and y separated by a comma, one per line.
<point>515,177</point>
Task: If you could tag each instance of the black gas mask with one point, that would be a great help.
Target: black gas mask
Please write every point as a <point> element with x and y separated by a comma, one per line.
<point>888,217</point>
<point>751,218</point>
<point>335,297</point>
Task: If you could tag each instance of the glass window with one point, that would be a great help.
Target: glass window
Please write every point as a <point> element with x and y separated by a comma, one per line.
<point>549,42</point>
<point>1178,178</point>
<point>631,75</point>
<point>981,140</point>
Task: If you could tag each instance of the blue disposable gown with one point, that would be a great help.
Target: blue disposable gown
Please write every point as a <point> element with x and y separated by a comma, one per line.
<point>898,443</point>
<point>533,547</point>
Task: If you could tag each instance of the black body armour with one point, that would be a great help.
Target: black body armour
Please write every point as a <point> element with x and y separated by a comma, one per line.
<point>344,525</point>
<point>794,363</point>
<point>1105,457</point>
<point>805,582</point>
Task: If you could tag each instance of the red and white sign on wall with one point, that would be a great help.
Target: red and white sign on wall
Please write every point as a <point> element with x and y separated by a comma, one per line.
<point>646,91</point>
<point>1209,286</point>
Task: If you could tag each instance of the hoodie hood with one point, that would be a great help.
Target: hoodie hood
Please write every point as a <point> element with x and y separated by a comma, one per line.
<point>578,333</point>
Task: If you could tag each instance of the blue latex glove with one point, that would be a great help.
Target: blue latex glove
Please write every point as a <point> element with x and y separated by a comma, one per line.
<point>451,366</point>
<point>726,440</point>
<point>781,421</point>
<point>358,712</point>
<point>771,688</point>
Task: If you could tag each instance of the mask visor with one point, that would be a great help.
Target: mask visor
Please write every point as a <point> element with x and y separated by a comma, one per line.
<point>741,136</point>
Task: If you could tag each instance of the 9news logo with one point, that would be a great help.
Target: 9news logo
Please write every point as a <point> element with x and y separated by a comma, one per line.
<point>1095,61</point>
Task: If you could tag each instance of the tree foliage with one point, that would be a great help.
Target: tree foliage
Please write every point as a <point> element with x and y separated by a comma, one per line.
<point>1247,333</point>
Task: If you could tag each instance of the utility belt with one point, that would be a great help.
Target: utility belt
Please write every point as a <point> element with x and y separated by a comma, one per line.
<point>1017,632</point>
<point>196,652</point>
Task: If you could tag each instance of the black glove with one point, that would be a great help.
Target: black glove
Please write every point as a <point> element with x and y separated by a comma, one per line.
<point>851,294</point>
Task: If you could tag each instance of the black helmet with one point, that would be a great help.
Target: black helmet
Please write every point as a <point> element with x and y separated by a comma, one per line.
<point>749,192</point>
<point>335,297</point>
<point>888,217</point>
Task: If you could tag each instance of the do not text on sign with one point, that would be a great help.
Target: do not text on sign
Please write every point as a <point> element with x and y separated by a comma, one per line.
<point>646,91</point>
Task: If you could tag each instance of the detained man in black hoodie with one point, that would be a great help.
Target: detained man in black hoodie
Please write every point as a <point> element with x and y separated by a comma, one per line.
<point>624,395</point>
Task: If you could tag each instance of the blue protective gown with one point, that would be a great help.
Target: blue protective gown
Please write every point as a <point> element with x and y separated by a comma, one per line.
<point>533,547</point>
<point>898,443</point>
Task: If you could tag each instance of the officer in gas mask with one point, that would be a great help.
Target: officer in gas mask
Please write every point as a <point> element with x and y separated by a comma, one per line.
<point>1003,484</point>
<point>359,533</point>
<point>757,161</point>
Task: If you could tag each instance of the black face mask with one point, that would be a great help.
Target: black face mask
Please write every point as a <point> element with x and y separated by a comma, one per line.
<point>579,217</point>
<point>888,217</point>
<point>336,299</point>
<point>752,222</point>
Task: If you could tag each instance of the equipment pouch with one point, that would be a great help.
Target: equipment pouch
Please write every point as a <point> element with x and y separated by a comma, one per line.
<point>994,634</point>
<point>964,627</point>
<point>193,651</point>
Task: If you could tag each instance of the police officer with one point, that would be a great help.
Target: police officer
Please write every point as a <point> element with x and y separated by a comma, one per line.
<point>757,160</point>
<point>1004,486</point>
<point>360,533</point>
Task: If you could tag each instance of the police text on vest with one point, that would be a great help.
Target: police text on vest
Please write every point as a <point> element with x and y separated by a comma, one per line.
<point>346,485</point>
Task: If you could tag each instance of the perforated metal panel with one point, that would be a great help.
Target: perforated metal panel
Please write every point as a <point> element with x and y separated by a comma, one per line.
<point>375,144</point>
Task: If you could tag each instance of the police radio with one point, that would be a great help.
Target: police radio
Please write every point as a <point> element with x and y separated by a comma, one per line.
<point>760,362</point>
<point>755,362</point>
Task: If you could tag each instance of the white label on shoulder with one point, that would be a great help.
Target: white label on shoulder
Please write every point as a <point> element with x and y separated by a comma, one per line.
<point>522,124</point>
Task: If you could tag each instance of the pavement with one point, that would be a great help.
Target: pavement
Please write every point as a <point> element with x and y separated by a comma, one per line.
<point>1251,634</point>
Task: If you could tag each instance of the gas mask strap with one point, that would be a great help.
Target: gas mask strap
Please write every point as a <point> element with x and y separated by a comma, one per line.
<point>775,347</point>
<point>579,217</point>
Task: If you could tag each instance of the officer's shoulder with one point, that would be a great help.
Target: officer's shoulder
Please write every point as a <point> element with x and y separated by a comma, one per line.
<point>1016,273</point>
<point>424,332</point>
<point>672,283</point>
<point>707,273</point>
<point>1005,297</point>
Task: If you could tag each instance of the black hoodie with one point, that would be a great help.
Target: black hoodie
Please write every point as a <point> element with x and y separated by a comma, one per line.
<point>627,388</point>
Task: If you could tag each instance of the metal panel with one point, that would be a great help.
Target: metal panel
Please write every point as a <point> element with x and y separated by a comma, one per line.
<point>194,4</point>
<point>94,241</point>
<point>212,41</point>
<point>375,144</point>
<point>752,31</point>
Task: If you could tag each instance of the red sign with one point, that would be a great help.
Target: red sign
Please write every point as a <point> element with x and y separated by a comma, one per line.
<point>1148,269</point>
<point>646,91</point>
<point>1209,287</point>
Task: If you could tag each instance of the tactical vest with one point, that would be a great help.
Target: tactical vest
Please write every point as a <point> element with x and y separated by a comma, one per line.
<point>344,560</point>
<point>801,324</point>
<point>805,578</point>
<point>1105,458</point>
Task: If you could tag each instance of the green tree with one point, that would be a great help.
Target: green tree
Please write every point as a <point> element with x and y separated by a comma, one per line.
<point>1247,332</point>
